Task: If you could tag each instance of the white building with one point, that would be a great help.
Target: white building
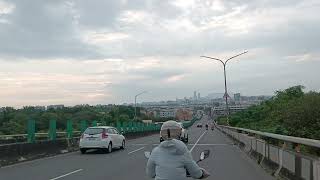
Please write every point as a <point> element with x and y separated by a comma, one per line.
<point>41,108</point>
<point>55,107</point>
<point>221,110</point>
<point>167,113</point>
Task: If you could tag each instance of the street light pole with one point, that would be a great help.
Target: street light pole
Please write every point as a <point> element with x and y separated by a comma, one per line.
<point>135,104</point>
<point>226,89</point>
<point>224,63</point>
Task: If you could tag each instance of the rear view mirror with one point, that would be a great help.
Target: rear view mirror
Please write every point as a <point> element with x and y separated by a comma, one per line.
<point>204,154</point>
<point>147,154</point>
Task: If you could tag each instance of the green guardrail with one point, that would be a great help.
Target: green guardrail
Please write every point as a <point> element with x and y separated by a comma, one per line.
<point>124,127</point>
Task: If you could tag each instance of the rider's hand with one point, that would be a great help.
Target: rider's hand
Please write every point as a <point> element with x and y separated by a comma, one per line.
<point>205,174</point>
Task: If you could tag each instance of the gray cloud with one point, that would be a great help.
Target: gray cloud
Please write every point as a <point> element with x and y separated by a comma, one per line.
<point>281,36</point>
<point>42,29</point>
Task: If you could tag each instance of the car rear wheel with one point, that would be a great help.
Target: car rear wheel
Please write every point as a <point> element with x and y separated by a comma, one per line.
<point>109,149</point>
<point>83,151</point>
<point>123,144</point>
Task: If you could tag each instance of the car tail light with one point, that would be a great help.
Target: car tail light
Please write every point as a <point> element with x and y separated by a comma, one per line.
<point>104,134</point>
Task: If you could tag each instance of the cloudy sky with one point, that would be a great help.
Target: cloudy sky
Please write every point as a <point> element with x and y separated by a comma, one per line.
<point>80,51</point>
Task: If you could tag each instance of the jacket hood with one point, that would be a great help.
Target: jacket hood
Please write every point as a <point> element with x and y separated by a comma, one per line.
<point>174,146</point>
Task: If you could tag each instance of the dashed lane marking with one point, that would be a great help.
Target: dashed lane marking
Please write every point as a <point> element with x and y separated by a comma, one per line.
<point>197,141</point>
<point>136,150</point>
<point>59,177</point>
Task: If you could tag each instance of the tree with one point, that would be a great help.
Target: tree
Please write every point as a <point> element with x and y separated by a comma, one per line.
<point>290,112</point>
<point>123,118</point>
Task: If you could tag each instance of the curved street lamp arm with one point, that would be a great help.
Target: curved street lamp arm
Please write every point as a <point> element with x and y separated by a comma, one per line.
<point>213,59</point>
<point>235,56</point>
<point>140,93</point>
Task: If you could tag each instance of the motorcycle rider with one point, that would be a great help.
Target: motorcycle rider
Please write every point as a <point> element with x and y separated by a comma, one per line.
<point>171,159</point>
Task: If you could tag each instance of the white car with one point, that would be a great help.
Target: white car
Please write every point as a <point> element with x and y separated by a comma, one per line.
<point>184,134</point>
<point>101,137</point>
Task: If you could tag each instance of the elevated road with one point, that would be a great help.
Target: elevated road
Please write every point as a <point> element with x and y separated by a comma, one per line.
<point>226,161</point>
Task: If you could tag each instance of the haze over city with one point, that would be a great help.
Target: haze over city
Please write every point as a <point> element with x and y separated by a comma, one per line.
<point>94,52</point>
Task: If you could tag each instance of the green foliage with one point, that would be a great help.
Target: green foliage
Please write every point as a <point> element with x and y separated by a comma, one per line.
<point>290,112</point>
<point>14,121</point>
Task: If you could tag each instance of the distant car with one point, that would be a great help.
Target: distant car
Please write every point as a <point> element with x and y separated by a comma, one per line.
<point>184,134</point>
<point>199,125</point>
<point>101,137</point>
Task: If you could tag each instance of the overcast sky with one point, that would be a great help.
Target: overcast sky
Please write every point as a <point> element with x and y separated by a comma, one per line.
<point>81,51</point>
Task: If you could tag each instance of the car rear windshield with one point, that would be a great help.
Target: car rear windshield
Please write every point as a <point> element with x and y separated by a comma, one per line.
<point>93,131</point>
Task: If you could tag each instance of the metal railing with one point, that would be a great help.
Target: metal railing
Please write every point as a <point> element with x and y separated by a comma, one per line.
<point>292,139</point>
<point>290,163</point>
<point>124,128</point>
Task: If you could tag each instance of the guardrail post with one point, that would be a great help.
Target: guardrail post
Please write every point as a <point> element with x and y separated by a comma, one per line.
<point>83,125</point>
<point>143,127</point>
<point>94,123</point>
<point>130,126</point>
<point>53,130</point>
<point>125,126</point>
<point>133,126</point>
<point>31,130</point>
<point>119,126</point>
<point>140,127</point>
<point>69,129</point>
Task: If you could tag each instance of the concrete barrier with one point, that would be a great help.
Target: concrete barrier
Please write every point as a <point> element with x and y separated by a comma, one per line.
<point>316,170</point>
<point>13,153</point>
<point>283,162</point>
<point>273,154</point>
<point>305,168</point>
<point>288,160</point>
<point>261,147</point>
<point>254,144</point>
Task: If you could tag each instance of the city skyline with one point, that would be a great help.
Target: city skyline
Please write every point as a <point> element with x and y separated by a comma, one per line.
<point>210,96</point>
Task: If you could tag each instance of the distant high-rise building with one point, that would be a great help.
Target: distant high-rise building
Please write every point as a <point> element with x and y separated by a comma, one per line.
<point>199,96</point>
<point>195,95</point>
<point>237,98</point>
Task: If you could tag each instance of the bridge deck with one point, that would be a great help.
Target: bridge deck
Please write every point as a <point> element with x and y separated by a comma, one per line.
<point>226,162</point>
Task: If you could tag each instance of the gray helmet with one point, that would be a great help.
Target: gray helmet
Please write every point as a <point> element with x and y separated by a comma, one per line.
<point>170,130</point>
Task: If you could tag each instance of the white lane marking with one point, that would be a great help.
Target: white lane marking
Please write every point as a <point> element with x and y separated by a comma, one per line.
<point>211,144</point>
<point>139,144</point>
<point>59,177</point>
<point>197,141</point>
<point>144,144</point>
<point>136,150</point>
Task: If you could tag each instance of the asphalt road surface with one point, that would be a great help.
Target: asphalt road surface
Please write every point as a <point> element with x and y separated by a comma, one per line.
<point>226,161</point>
